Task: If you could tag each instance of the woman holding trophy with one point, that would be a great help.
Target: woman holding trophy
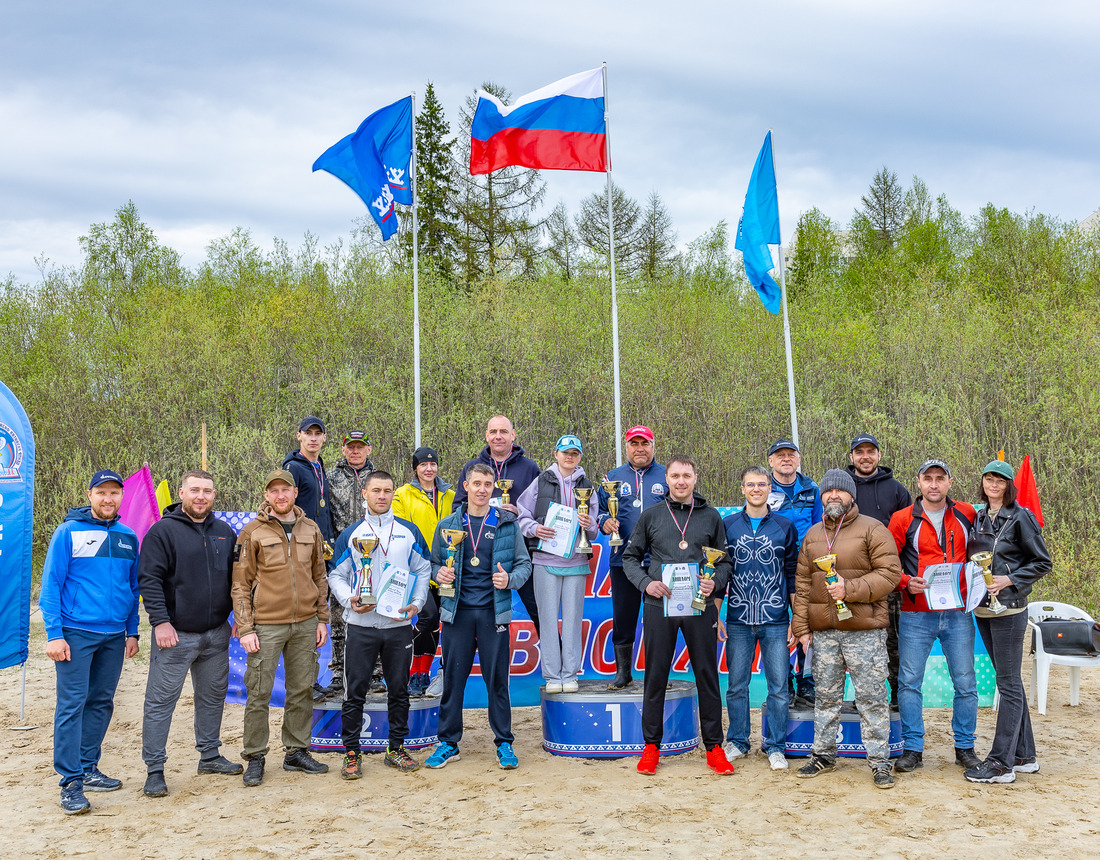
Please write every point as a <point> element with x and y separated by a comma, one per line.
<point>555,519</point>
<point>1007,542</point>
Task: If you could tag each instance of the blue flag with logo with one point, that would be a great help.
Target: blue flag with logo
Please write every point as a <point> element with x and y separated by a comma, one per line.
<point>374,162</point>
<point>16,528</point>
<point>759,227</point>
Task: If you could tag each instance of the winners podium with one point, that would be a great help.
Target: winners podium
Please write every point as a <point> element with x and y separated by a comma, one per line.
<point>849,740</point>
<point>596,722</point>
<point>327,735</point>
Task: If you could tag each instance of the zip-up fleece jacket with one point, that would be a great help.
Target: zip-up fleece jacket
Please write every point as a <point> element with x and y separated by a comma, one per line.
<point>411,503</point>
<point>919,545</point>
<point>345,494</point>
<point>276,581</point>
<point>800,502</point>
<point>401,545</point>
<point>309,491</point>
<point>534,504</point>
<point>653,491</point>
<point>867,560</point>
<point>509,551</point>
<point>880,495</point>
<point>522,470</point>
<point>657,535</point>
<point>1019,551</point>
<point>185,571</point>
<point>90,578</point>
<point>764,565</point>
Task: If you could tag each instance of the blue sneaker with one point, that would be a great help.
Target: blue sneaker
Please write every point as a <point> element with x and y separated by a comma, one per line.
<point>442,755</point>
<point>94,780</point>
<point>507,757</point>
<point>73,800</point>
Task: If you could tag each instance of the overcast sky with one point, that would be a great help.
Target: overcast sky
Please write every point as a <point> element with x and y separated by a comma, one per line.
<point>209,115</point>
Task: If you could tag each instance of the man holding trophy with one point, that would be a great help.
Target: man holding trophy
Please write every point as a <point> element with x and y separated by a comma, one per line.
<point>478,557</point>
<point>380,579</point>
<point>847,567</point>
<point>678,537</point>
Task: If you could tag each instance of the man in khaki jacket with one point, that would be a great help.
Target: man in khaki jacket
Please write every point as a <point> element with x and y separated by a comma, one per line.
<point>868,569</point>
<point>280,601</point>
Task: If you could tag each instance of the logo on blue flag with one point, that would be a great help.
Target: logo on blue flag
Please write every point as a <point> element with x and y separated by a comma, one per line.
<point>759,227</point>
<point>375,162</point>
<point>11,454</point>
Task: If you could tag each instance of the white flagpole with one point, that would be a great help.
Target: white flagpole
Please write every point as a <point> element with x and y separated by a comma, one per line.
<point>416,281</point>
<point>614,303</point>
<point>786,321</point>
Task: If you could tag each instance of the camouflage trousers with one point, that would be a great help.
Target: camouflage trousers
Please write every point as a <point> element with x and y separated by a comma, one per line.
<point>863,654</point>
<point>338,634</point>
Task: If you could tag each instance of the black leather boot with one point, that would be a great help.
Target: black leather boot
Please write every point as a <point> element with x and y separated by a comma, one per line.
<point>624,655</point>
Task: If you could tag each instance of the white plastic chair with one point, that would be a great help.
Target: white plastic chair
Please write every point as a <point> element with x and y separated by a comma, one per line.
<point>1042,661</point>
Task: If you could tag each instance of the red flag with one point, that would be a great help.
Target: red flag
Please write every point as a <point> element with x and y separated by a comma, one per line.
<point>1027,494</point>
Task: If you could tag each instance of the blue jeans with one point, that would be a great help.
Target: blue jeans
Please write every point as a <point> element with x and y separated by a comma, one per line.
<point>85,699</point>
<point>774,658</point>
<point>917,631</point>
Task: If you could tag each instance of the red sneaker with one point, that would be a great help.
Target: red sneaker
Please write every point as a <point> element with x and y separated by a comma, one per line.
<point>650,755</point>
<point>717,761</point>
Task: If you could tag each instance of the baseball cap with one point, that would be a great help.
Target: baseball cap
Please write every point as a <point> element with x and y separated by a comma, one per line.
<point>931,464</point>
<point>279,475</point>
<point>861,439</point>
<point>311,421</point>
<point>782,443</point>
<point>569,441</point>
<point>103,476</point>
<point>641,431</point>
<point>999,467</point>
<point>425,454</point>
<point>356,436</point>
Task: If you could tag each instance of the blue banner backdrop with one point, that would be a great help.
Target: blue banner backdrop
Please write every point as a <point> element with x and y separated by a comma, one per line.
<point>599,658</point>
<point>16,528</point>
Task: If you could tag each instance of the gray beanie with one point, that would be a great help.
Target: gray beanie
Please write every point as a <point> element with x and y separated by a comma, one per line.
<point>836,479</point>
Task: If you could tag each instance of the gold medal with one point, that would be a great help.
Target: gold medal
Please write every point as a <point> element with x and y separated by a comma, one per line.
<point>322,503</point>
<point>475,561</point>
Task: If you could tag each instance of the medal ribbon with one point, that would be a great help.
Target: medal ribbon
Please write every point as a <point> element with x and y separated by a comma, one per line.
<point>830,541</point>
<point>682,531</point>
<point>321,478</point>
<point>385,548</point>
<point>469,531</point>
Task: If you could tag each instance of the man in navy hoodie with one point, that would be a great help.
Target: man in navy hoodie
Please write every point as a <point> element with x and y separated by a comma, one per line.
<point>89,603</point>
<point>310,476</point>
<point>185,574</point>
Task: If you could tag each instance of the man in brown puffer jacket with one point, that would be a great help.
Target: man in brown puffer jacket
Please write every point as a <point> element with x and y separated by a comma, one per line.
<point>867,571</point>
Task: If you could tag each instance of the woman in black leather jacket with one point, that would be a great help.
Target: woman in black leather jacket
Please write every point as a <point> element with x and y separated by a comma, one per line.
<point>1020,559</point>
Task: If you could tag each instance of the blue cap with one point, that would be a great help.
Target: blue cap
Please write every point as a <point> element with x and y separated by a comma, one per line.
<point>569,441</point>
<point>864,438</point>
<point>782,443</point>
<point>103,476</point>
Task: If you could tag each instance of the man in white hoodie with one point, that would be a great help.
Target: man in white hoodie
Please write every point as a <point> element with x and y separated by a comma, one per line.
<point>399,573</point>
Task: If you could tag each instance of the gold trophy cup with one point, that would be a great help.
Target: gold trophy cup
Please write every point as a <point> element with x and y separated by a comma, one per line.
<point>363,589</point>
<point>827,563</point>
<point>504,485</point>
<point>583,494</point>
<point>612,490</point>
<point>985,560</point>
<point>699,601</point>
<point>454,539</point>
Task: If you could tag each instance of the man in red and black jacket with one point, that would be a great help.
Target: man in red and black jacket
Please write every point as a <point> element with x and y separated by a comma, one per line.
<point>931,538</point>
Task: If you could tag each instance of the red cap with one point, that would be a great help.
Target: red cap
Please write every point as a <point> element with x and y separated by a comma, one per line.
<point>640,430</point>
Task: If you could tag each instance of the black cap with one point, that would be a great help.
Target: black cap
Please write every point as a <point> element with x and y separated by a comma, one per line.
<point>424,455</point>
<point>103,476</point>
<point>782,443</point>
<point>930,464</point>
<point>861,439</point>
<point>311,421</point>
<point>356,436</point>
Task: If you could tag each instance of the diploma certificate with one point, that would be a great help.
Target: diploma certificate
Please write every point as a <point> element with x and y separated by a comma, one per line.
<point>565,524</point>
<point>943,586</point>
<point>682,579</point>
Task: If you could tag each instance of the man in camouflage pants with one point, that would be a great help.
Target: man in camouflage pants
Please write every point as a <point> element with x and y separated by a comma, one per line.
<point>867,570</point>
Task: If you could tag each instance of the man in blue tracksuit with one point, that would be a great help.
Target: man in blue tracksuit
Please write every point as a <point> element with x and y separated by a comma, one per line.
<point>642,483</point>
<point>89,603</point>
<point>763,547</point>
<point>797,498</point>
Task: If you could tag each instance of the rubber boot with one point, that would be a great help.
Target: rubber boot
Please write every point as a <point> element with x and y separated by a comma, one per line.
<point>624,655</point>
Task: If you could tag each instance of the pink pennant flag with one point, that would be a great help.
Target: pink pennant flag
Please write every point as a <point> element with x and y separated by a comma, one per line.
<point>139,509</point>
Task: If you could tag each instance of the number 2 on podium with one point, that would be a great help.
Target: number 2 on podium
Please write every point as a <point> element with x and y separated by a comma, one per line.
<point>616,721</point>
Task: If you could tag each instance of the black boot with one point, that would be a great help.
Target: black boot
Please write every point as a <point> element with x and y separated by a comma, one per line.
<point>624,655</point>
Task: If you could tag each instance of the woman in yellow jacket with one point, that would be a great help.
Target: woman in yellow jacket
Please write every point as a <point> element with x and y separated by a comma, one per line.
<point>424,501</point>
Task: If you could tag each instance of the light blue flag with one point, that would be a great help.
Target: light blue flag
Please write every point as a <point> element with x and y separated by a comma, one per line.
<point>374,162</point>
<point>759,227</point>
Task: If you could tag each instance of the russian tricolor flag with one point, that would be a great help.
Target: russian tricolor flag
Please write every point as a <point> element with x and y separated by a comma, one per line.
<point>559,127</point>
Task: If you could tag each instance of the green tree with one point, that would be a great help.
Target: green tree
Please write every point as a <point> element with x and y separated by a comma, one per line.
<point>815,251</point>
<point>124,254</point>
<point>563,247</point>
<point>656,239</point>
<point>876,224</point>
<point>591,224</point>
<point>435,185</point>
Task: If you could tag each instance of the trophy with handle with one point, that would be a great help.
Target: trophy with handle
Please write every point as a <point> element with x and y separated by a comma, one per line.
<point>827,563</point>
<point>612,490</point>
<point>363,590</point>
<point>583,494</point>
<point>985,561</point>
<point>504,485</point>
<point>454,539</point>
<point>699,602</point>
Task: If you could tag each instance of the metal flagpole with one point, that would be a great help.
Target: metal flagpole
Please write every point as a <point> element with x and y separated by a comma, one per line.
<point>786,321</point>
<point>416,281</point>
<point>614,303</point>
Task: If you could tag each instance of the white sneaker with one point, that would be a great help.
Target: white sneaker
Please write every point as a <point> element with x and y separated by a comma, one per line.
<point>570,687</point>
<point>777,760</point>
<point>435,688</point>
<point>731,750</point>
<point>553,687</point>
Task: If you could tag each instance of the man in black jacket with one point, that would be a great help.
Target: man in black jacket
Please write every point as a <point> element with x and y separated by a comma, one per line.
<point>310,476</point>
<point>674,534</point>
<point>880,495</point>
<point>184,576</point>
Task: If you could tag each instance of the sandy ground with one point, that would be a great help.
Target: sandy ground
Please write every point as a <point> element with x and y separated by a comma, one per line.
<point>550,805</point>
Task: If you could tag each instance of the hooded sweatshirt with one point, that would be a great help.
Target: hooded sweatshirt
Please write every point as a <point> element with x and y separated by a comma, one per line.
<point>880,495</point>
